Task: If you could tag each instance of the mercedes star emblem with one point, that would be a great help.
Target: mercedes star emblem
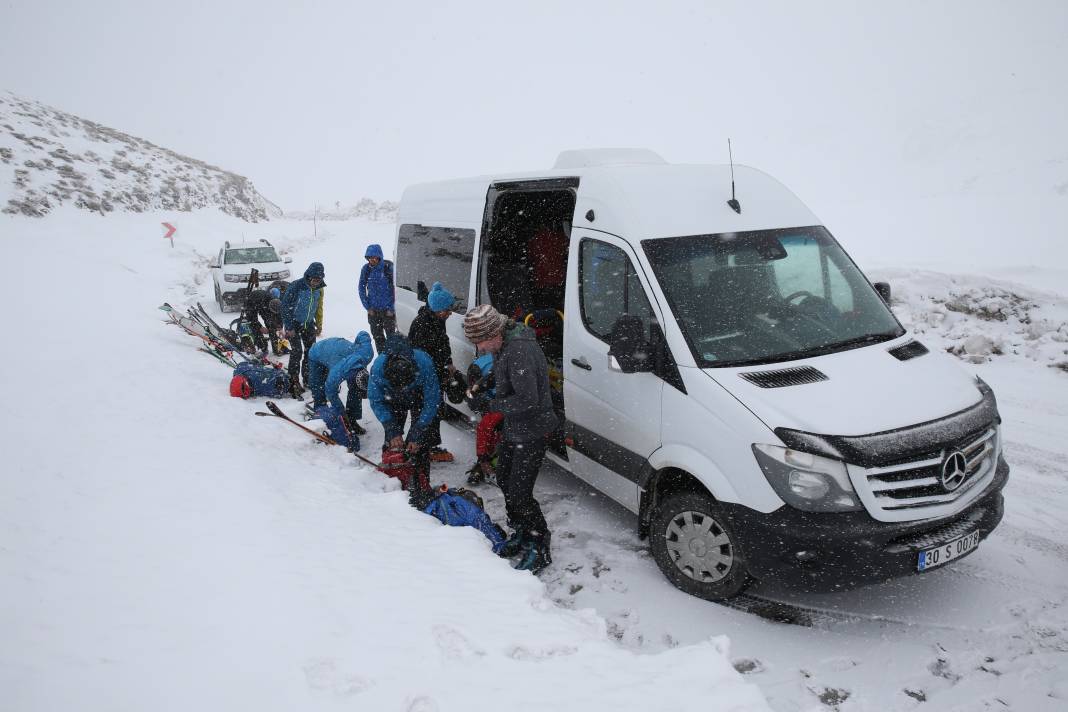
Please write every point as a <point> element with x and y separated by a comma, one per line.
<point>954,470</point>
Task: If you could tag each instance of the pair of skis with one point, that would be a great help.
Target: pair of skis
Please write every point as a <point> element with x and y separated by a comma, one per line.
<point>216,339</point>
<point>276,412</point>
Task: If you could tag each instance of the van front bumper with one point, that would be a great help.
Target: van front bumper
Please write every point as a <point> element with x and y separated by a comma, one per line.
<point>823,552</point>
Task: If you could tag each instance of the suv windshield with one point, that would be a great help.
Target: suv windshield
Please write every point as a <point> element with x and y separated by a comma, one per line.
<point>767,296</point>
<point>251,255</point>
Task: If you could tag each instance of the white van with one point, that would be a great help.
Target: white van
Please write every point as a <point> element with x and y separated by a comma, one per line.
<point>728,375</point>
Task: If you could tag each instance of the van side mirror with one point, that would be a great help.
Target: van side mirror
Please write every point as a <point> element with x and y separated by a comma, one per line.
<point>288,260</point>
<point>883,288</point>
<point>628,347</point>
<point>214,265</point>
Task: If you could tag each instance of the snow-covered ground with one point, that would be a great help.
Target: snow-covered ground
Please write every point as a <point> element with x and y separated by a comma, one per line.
<point>161,548</point>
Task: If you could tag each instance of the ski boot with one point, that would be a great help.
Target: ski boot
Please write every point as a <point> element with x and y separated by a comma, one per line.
<point>535,555</point>
<point>440,454</point>
<point>514,544</point>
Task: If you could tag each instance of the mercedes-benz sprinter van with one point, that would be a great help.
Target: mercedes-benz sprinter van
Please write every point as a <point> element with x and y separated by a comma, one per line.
<point>724,371</point>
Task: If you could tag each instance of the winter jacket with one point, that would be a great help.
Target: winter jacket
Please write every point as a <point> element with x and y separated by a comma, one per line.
<point>376,283</point>
<point>302,306</point>
<point>344,359</point>
<point>382,395</point>
<point>523,393</point>
<point>428,333</point>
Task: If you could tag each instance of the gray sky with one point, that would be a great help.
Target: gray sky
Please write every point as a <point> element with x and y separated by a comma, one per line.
<point>325,101</point>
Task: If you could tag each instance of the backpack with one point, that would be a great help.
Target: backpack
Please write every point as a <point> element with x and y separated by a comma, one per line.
<point>463,508</point>
<point>251,379</point>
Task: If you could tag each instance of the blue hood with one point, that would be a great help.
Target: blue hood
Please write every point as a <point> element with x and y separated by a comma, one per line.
<point>374,251</point>
<point>315,269</point>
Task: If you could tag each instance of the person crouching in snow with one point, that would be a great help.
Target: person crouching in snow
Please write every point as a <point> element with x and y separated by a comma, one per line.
<point>377,294</point>
<point>480,394</point>
<point>428,333</point>
<point>334,361</point>
<point>524,397</point>
<point>403,380</point>
<point>302,319</point>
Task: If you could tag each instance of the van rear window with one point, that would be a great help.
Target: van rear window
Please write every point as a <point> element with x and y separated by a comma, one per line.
<point>428,254</point>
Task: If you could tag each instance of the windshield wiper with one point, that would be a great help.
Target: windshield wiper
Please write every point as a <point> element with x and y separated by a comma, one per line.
<point>844,345</point>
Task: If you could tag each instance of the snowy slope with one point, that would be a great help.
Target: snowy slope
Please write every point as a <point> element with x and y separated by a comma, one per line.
<point>50,158</point>
<point>161,548</point>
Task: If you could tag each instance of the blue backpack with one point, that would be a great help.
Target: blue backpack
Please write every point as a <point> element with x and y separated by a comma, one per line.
<point>462,508</point>
<point>253,379</point>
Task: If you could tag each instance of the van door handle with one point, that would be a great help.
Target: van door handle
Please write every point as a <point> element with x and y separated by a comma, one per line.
<point>581,363</point>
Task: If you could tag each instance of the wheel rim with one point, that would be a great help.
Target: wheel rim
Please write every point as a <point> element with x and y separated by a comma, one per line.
<point>699,546</point>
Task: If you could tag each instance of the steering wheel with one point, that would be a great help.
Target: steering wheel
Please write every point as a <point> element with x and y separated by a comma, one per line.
<point>799,293</point>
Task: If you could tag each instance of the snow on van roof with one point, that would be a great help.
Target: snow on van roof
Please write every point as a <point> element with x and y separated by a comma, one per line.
<point>636,201</point>
<point>588,157</point>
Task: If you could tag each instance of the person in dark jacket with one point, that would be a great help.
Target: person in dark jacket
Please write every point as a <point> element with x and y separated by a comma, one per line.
<point>377,294</point>
<point>261,311</point>
<point>302,319</point>
<point>523,396</point>
<point>428,333</point>
<point>335,361</point>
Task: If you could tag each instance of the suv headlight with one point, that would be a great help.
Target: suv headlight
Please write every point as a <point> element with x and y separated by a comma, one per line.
<point>284,274</point>
<point>236,277</point>
<point>807,482</point>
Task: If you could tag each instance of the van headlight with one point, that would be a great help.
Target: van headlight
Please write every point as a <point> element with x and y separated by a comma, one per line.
<point>807,482</point>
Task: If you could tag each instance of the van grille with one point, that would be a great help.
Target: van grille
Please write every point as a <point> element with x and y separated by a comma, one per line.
<point>914,490</point>
<point>911,350</point>
<point>784,377</point>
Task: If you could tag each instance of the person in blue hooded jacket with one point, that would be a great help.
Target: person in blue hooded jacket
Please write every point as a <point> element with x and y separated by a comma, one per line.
<point>403,380</point>
<point>302,320</point>
<point>335,361</point>
<point>378,295</point>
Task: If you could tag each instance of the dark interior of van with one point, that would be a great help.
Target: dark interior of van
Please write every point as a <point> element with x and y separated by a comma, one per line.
<point>523,265</point>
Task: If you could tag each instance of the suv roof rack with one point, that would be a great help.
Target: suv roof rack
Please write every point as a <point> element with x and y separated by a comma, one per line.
<point>226,244</point>
<point>266,243</point>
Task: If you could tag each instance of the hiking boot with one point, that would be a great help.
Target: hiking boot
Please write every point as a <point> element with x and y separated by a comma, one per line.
<point>475,476</point>
<point>357,428</point>
<point>439,454</point>
<point>535,557</point>
<point>514,544</point>
<point>296,390</point>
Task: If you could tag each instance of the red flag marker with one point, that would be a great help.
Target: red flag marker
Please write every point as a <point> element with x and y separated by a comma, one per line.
<point>171,229</point>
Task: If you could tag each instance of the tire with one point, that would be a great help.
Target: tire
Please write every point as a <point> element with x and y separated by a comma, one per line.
<point>218,297</point>
<point>695,547</point>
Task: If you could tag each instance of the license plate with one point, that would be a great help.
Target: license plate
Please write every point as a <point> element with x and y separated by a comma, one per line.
<point>930,558</point>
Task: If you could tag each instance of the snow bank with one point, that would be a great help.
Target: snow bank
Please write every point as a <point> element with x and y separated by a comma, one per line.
<point>979,318</point>
<point>161,548</point>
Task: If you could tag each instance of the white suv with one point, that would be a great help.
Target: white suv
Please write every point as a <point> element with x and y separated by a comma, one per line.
<point>234,265</point>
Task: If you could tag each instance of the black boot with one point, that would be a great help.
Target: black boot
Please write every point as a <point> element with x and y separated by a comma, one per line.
<point>535,554</point>
<point>515,543</point>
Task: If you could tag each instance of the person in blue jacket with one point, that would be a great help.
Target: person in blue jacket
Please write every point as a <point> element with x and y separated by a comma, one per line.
<point>337,360</point>
<point>378,294</point>
<point>302,320</point>
<point>404,380</point>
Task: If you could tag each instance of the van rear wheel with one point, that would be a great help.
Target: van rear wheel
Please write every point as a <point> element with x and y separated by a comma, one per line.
<point>696,548</point>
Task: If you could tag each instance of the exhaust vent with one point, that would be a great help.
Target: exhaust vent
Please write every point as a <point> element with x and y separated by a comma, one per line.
<point>911,350</point>
<point>784,377</point>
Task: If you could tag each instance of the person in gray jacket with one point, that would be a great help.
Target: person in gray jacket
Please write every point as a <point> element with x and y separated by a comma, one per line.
<point>523,396</point>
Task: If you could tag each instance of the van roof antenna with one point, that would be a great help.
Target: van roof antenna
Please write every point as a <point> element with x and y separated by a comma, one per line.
<point>733,202</point>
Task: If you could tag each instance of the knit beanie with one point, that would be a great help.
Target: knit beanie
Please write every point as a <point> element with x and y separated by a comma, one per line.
<point>440,299</point>
<point>482,323</point>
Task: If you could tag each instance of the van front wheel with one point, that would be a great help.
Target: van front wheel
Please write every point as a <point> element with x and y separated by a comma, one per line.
<point>695,547</point>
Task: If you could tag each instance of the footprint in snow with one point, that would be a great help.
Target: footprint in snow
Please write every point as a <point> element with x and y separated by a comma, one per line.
<point>454,645</point>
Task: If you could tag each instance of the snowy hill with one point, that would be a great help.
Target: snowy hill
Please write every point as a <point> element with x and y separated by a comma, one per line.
<point>50,158</point>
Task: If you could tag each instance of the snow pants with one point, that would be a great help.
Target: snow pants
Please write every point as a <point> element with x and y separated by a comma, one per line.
<point>298,365</point>
<point>381,326</point>
<point>517,470</point>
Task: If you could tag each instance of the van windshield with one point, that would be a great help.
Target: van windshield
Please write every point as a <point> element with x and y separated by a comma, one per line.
<point>251,255</point>
<point>767,296</point>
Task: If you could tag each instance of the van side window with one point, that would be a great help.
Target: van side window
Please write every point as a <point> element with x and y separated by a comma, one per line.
<point>427,254</point>
<point>609,288</point>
